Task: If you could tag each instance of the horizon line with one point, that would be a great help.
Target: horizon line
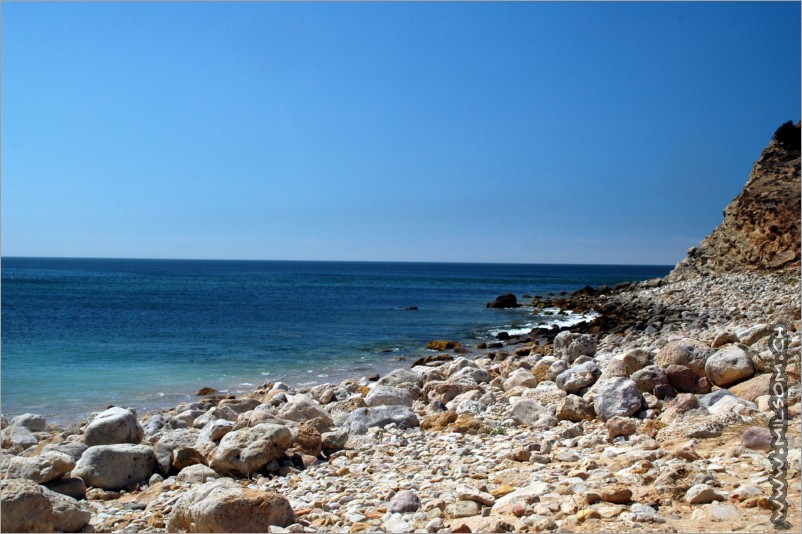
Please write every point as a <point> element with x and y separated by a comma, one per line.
<point>3,256</point>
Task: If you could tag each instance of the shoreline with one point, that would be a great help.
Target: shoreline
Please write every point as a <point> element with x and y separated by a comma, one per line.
<point>493,443</point>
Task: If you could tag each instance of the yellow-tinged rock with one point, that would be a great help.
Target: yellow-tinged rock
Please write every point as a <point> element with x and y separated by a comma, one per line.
<point>502,490</point>
<point>587,513</point>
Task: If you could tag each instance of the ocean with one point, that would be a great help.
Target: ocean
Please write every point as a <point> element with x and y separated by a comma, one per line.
<point>79,335</point>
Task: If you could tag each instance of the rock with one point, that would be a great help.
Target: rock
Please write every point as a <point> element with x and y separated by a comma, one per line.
<point>442,344</point>
<point>184,457</point>
<point>73,449</point>
<point>388,396</point>
<point>688,352</point>
<point>528,412</point>
<point>507,300</point>
<point>570,346</point>
<point>401,378</point>
<point>616,494</point>
<point>380,416</point>
<point>468,493</point>
<point>115,425</point>
<point>215,430</point>
<point>756,438</point>
<point>244,451</point>
<point>575,408</point>
<point>684,380</point>
<point>635,360</point>
<point>302,408</point>
<point>722,512</point>
<point>112,467</point>
<point>68,514</point>
<point>729,365</point>
<point>153,425</point>
<point>71,487</point>
<point>526,495</point>
<point>648,378</point>
<point>213,414</point>
<point>396,523</point>
<point>616,396</point>
<point>712,398</point>
<point>439,421</point>
<point>579,376</point>
<point>724,338</point>
<point>18,437</point>
<point>33,422</point>
<point>621,426</point>
<point>702,494</point>
<point>24,507</point>
<point>307,439</point>
<point>225,506</point>
<point>520,378</point>
<point>334,441</point>
<point>240,405</point>
<point>403,502</point>
<point>753,388</point>
<point>196,473</point>
<point>753,334</point>
<point>43,468</point>
<point>462,509</point>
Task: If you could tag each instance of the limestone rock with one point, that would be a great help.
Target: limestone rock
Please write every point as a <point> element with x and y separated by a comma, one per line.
<point>575,408</point>
<point>241,452</point>
<point>570,346</point>
<point>68,514</point>
<point>688,352</point>
<point>196,473</point>
<point>25,507</point>
<point>380,416</point>
<point>579,376</point>
<point>225,506</point>
<point>520,378</point>
<point>702,494</point>
<point>382,395</point>
<point>115,425</point>
<point>43,468</point>
<point>729,365</point>
<point>616,396</point>
<point>18,437</point>
<point>114,467</point>
<point>70,486</point>
<point>302,408</point>
<point>33,422</point>
<point>753,388</point>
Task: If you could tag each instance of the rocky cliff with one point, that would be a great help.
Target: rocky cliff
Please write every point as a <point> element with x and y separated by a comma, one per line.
<point>760,231</point>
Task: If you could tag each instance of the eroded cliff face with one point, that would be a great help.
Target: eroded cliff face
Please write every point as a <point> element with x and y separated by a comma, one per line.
<point>760,230</point>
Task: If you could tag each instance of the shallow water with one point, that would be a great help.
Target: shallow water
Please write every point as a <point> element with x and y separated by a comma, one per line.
<point>81,334</point>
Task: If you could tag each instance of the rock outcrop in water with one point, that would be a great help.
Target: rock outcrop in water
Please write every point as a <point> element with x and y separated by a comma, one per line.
<point>760,231</point>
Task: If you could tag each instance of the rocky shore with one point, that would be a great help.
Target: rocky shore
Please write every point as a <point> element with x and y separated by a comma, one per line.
<point>657,423</point>
<point>651,417</point>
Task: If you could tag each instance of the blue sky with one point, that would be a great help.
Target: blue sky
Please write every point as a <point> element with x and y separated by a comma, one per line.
<point>491,132</point>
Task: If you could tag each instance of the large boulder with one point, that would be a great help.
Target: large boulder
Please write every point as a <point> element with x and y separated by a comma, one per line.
<point>302,408</point>
<point>753,388</point>
<point>382,395</point>
<point>43,468</point>
<point>616,396</point>
<point>241,452</point>
<point>579,376</point>
<point>115,425</point>
<point>570,346</point>
<point>688,352</point>
<point>24,507</point>
<point>225,506</point>
<point>729,365</point>
<point>362,419</point>
<point>113,467</point>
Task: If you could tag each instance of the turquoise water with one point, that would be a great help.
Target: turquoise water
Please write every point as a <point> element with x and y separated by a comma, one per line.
<point>81,334</point>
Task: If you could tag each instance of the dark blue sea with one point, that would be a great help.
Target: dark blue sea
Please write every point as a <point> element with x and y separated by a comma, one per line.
<point>81,334</point>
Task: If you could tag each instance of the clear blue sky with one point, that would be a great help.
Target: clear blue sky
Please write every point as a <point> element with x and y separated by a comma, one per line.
<point>514,132</point>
